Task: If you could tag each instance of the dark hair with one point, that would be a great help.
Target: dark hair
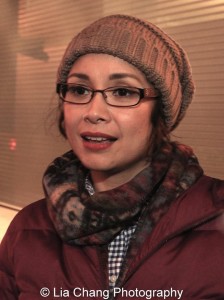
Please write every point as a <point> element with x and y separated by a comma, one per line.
<point>160,132</point>
<point>61,119</point>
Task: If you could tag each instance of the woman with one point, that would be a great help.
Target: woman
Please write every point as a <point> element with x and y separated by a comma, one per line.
<point>128,213</point>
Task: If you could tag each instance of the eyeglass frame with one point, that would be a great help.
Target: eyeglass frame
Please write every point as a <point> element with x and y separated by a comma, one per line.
<point>144,93</point>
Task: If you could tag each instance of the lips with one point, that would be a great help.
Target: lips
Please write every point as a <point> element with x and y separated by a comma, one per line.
<point>97,140</point>
<point>97,137</point>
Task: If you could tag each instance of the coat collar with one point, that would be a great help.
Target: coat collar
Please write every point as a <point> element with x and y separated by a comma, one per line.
<point>202,202</point>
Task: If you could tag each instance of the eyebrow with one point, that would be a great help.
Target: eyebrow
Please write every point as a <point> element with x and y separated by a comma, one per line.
<point>79,75</point>
<point>111,77</point>
<point>122,75</point>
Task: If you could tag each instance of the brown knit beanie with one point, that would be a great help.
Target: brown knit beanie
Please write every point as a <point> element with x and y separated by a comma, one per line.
<point>145,46</point>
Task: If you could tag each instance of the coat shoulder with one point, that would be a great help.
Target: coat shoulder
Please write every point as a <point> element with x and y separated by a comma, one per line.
<point>210,189</point>
<point>218,192</point>
<point>32,217</point>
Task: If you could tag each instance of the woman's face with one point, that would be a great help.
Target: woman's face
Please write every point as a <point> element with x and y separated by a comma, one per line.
<point>108,140</point>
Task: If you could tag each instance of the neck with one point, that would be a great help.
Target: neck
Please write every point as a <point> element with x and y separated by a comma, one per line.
<point>104,181</point>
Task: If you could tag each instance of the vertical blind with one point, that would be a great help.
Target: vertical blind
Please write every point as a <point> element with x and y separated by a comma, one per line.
<point>34,35</point>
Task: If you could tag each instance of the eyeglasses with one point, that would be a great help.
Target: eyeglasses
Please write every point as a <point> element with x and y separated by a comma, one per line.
<point>115,96</point>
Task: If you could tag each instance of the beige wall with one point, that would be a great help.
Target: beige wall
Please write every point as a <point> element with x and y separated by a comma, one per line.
<point>6,216</point>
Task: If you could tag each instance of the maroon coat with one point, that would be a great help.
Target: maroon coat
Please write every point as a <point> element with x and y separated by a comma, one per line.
<point>184,252</point>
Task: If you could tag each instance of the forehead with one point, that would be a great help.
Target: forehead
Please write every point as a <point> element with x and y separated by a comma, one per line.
<point>105,66</point>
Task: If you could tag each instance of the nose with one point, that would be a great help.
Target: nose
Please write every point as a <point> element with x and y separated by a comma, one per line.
<point>97,110</point>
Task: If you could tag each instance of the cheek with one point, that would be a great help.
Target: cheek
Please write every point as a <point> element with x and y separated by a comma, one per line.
<point>70,126</point>
<point>144,132</point>
<point>138,124</point>
<point>70,118</point>
<point>68,123</point>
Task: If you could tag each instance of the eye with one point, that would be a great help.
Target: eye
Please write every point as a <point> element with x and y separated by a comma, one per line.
<point>124,92</point>
<point>77,90</point>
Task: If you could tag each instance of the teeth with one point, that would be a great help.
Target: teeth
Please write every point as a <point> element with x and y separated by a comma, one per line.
<point>96,139</point>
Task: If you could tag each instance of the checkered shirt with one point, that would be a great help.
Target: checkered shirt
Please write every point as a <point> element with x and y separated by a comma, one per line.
<point>117,248</point>
<point>116,252</point>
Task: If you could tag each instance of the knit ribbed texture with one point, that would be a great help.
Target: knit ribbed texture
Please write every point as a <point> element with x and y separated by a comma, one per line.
<point>145,46</point>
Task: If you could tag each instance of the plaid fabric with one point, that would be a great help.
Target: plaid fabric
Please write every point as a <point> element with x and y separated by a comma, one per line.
<point>116,253</point>
<point>89,186</point>
<point>117,248</point>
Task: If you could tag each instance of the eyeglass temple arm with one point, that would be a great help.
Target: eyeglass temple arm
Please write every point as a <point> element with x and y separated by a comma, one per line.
<point>151,92</point>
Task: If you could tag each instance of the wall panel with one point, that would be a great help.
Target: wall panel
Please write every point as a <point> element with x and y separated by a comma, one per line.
<point>34,35</point>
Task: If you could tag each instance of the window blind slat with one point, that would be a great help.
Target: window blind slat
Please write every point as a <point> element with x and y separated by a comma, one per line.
<point>34,35</point>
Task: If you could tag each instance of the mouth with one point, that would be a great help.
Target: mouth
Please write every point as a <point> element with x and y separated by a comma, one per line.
<point>97,141</point>
<point>97,137</point>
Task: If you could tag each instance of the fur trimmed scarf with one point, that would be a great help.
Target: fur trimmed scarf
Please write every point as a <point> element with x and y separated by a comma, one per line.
<point>81,219</point>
